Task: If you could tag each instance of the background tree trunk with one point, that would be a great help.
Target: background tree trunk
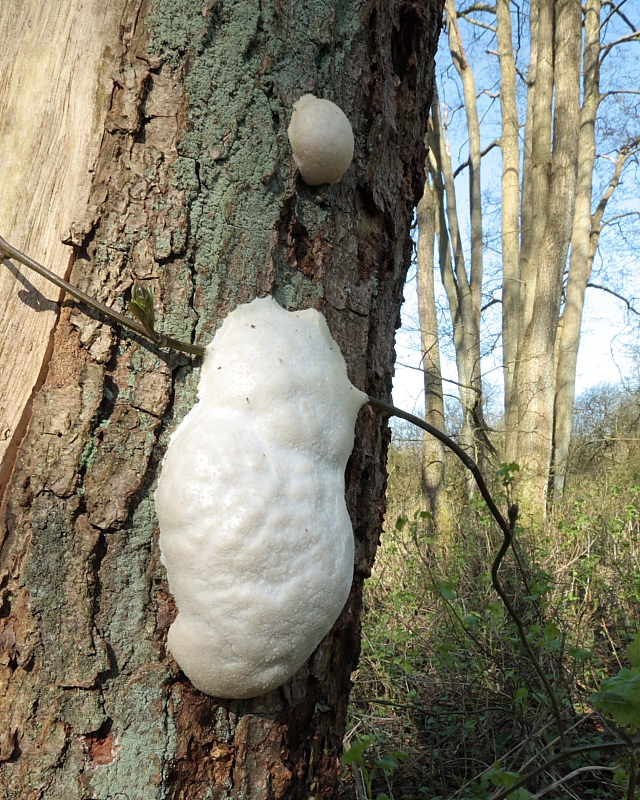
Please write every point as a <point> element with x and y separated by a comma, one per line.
<point>194,192</point>
<point>510,218</point>
<point>433,474</point>
<point>554,182</point>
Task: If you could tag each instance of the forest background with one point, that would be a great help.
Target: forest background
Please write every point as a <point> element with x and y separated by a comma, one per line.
<point>447,704</point>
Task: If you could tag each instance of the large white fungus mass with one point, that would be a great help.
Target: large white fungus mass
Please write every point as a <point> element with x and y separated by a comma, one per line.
<point>321,139</point>
<point>254,529</point>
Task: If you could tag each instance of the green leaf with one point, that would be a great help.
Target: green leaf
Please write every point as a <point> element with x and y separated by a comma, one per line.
<point>620,697</point>
<point>401,522</point>
<point>502,778</point>
<point>355,754</point>
<point>579,653</point>
<point>388,763</point>
<point>141,306</point>
<point>620,777</point>
<point>447,590</point>
<point>633,651</point>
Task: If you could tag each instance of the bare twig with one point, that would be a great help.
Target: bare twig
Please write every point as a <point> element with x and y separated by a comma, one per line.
<point>615,294</point>
<point>484,152</point>
<point>563,756</point>
<point>568,777</point>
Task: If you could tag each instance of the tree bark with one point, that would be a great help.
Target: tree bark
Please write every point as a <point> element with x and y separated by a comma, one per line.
<point>553,205</point>
<point>465,315</point>
<point>580,262</point>
<point>510,147</point>
<point>195,193</point>
<point>432,450</point>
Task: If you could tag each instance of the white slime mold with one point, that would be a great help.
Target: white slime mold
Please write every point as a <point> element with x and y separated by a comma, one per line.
<point>321,139</point>
<point>254,529</point>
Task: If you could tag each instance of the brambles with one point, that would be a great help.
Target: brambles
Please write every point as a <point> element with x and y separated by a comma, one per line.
<point>443,675</point>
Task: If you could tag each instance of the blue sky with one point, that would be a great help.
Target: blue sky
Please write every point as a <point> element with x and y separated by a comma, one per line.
<point>609,332</point>
<point>609,337</point>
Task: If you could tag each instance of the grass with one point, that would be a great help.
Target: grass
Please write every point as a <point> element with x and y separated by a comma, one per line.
<point>445,703</point>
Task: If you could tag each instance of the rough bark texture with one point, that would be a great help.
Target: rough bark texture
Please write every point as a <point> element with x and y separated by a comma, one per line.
<point>195,192</point>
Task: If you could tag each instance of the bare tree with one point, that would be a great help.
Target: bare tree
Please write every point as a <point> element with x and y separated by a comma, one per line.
<point>191,189</point>
<point>547,137</point>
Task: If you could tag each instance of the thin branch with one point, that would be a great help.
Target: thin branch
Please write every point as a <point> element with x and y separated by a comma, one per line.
<point>630,37</point>
<point>477,22</point>
<point>7,251</point>
<point>611,220</point>
<point>563,756</point>
<point>491,302</point>
<point>478,8</point>
<point>447,380</point>
<point>615,294</point>
<point>568,777</point>
<point>618,91</point>
<point>431,712</point>
<point>624,18</point>
<point>484,152</point>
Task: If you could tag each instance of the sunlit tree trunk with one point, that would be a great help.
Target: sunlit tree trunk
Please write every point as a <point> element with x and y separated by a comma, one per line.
<point>193,190</point>
<point>511,286</point>
<point>553,195</point>
<point>581,259</point>
<point>433,450</point>
<point>465,319</point>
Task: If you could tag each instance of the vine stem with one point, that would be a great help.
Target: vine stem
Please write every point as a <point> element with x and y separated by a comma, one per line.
<point>159,339</point>
<point>508,528</point>
<point>562,756</point>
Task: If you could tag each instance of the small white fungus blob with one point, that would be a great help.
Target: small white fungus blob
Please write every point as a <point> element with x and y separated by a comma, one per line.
<point>321,139</point>
<point>254,529</point>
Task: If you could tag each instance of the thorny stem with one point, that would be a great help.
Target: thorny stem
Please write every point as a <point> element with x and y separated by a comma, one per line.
<point>7,251</point>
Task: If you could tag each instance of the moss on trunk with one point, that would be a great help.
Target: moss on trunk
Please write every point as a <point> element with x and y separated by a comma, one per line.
<point>195,192</point>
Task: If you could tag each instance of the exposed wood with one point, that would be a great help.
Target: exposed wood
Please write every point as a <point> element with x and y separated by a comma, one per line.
<point>56,65</point>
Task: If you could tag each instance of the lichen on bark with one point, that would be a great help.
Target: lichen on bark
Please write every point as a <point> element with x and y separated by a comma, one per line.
<point>195,193</point>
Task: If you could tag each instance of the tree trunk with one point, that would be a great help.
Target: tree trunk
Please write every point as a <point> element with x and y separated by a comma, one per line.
<point>553,195</point>
<point>464,313</point>
<point>194,192</point>
<point>54,94</point>
<point>510,148</point>
<point>433,449</point>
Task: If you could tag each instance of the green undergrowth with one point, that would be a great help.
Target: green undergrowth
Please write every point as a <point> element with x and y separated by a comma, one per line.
<point>446,703</point>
